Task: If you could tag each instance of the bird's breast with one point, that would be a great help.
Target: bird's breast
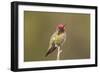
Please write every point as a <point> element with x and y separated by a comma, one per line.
<point>58,39</point>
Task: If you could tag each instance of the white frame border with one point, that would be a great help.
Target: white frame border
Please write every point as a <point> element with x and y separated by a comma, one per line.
<point>34,64</point>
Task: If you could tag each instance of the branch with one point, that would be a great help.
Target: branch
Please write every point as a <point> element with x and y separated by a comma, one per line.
<point>58,53</point>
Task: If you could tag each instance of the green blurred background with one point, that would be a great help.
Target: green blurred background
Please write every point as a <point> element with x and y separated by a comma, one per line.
<point>39,26</point>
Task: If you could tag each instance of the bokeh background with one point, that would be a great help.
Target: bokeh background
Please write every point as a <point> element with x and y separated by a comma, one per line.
<point>39,26</point>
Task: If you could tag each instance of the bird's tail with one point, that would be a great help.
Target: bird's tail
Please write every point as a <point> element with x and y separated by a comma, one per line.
<point>50,51</point>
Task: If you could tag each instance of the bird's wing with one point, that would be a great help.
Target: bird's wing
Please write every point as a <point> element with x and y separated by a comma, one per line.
<point>52,46</point>
<point>52,40</point>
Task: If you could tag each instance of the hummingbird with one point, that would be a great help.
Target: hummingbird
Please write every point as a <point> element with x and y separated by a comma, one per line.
<point>57,39</point>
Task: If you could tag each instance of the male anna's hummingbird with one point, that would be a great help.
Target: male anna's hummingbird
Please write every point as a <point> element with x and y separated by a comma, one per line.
<point>57,39</point>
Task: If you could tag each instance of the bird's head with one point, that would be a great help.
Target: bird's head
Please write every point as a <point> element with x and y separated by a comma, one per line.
<point>60,27</point>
